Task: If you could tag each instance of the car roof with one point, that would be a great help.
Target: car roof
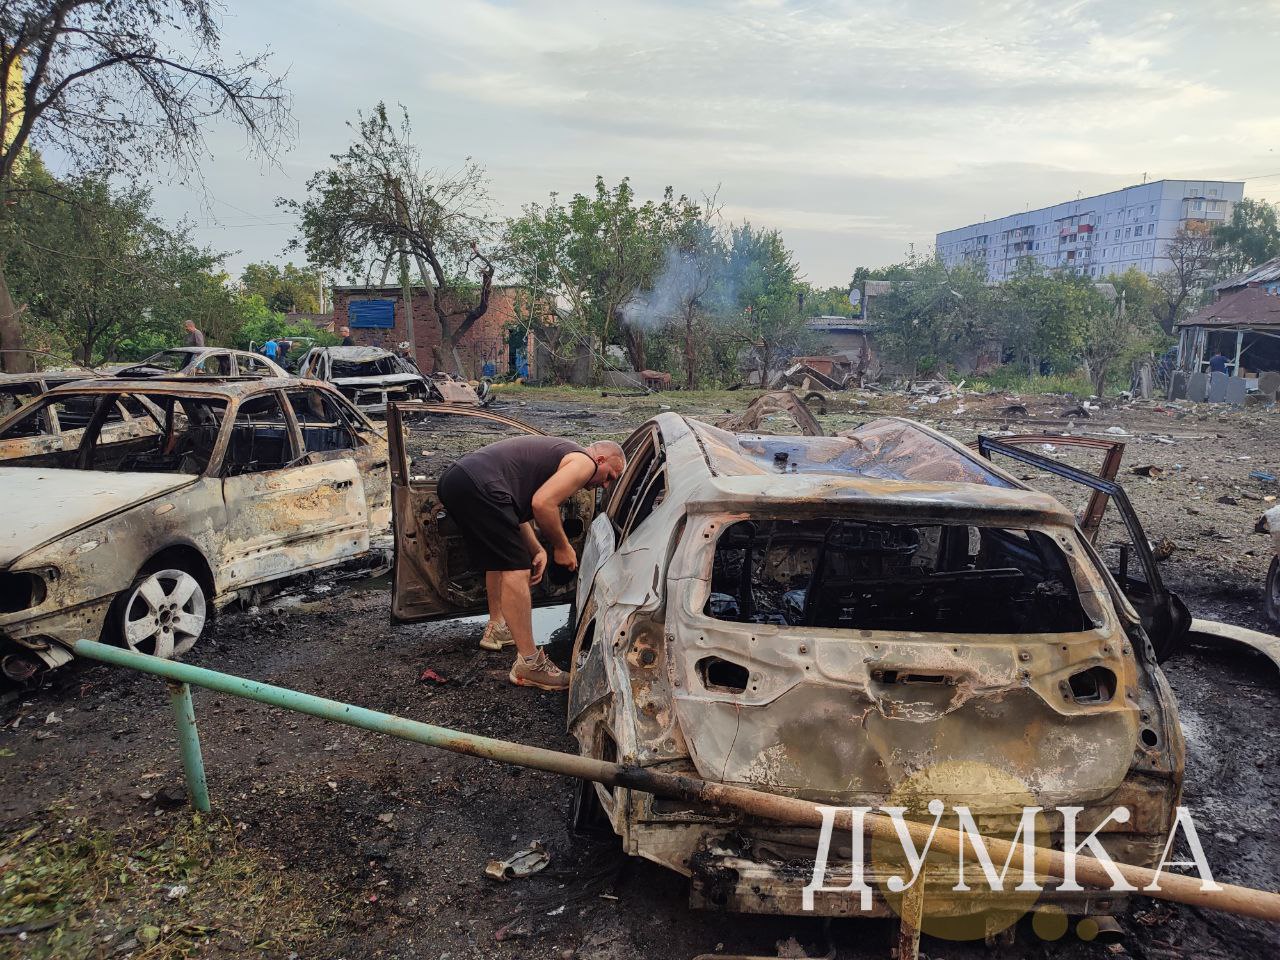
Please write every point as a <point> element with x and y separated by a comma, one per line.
<point>887,460</point>
<point>356,353</point>
<point>213,386</point>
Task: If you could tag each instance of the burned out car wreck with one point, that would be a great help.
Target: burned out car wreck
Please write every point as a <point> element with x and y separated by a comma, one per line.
<point>138,537</point>
<point>829,618</point>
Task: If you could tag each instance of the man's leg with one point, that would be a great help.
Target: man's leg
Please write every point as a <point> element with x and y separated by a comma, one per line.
<point>496,635</point>
<point>532,668</point>
<point>517,609</point>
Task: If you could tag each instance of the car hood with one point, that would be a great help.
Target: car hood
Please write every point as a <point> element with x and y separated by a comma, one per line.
<point>63,501</point>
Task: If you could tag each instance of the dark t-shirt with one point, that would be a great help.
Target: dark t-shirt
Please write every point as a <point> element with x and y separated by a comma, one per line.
<point>512,470</point>
<point>1218,363</point>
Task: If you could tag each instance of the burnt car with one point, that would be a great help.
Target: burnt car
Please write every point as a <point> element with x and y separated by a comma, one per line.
<point>832,617</point>
<point>139,540</point>
<point>370,377</point>
<point>203,362</point>
<point>60,426</point>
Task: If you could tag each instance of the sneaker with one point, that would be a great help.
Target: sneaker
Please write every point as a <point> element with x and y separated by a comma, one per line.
<point>541,673</point>
<point>496,636</point>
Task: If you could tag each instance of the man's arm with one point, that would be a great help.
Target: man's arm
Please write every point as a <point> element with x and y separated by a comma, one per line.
<point>572,476</point>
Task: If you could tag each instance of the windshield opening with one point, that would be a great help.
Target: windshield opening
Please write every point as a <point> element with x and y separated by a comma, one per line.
<point>865,575</point>
<point>378,367</point>
<point>166,361</point>
<point>161,433</point>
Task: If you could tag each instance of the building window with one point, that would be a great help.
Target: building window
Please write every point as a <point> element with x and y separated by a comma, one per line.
<point>1151,228</point>
<point>1153,210</point>
<point>1213,193</point>
<point>1127,231</point>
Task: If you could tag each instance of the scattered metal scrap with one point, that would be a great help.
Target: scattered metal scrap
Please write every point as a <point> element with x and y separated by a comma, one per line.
<point>751,420</point>
<point>522,863</point>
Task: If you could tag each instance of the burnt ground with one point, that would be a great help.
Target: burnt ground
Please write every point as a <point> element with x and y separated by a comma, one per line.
<point>332,842</point>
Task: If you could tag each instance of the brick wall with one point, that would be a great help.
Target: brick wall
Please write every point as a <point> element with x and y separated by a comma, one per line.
<point>485,342</point>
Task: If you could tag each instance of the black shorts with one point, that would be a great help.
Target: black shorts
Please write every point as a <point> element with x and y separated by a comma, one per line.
<point>489,526</point>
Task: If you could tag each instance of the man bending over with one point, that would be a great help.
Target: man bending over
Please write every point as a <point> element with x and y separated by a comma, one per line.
<point>494,495</point>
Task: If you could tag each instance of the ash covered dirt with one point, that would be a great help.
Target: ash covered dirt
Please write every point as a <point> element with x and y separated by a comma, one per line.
<point>400,834</point>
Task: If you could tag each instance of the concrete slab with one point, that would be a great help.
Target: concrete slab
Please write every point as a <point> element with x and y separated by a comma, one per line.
<point>1218,387</point>
<point>1198,387</point>
<point>1236,390</point>
<point>1269,384</point>
<point>1178,385</point>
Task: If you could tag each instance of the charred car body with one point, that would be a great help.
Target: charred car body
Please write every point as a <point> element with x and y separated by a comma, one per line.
<point>370,377</point>
<point>829,617</point>
<point>203,362</point>
<point>137,540</point>
<point>60,425</point>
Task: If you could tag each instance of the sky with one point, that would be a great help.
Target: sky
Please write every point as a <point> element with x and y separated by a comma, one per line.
<point>859,130</point>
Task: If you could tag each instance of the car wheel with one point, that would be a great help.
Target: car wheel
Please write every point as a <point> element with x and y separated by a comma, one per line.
<point>162,613</point>
<point>1273,591</point>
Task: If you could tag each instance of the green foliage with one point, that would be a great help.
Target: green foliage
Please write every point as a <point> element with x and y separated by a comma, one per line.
<point>598,252</point>
<point>1250,237</point>
<point>935,313</point>
<point>1012,378</point>
<point>827,301</point>
<point>100,276</point>
<point>1045,317</point>
<point>761,291</point>
<point>286,289</point>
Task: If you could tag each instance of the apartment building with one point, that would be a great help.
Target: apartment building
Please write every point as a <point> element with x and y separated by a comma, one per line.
<point>1095,236</point>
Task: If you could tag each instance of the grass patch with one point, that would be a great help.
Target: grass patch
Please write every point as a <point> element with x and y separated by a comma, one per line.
<point>1017,381</point>
<point>72,891</point>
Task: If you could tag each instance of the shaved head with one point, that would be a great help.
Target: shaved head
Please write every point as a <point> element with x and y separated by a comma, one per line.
<point>610,462</point>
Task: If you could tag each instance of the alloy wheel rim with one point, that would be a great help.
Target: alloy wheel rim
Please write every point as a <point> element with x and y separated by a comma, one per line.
<point>165,614</point>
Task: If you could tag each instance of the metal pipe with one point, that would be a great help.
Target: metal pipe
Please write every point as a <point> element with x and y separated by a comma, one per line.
<point>1048,863</point>
<point>184,715</point>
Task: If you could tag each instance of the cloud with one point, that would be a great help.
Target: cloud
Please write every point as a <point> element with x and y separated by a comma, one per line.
<point>832,120</point>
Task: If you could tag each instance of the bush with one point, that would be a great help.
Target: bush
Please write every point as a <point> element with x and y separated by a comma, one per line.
<point>1014,379</point>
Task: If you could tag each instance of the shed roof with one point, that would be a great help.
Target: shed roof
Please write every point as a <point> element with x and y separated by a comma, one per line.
<point>1262,273</point>
<point>1245,307</point>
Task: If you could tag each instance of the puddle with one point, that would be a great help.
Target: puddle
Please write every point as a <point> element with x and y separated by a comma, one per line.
<point>549,623</point>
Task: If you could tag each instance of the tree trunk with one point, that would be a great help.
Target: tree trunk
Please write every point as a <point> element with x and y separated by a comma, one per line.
<point>688,350</point>
<point>635,347</point>
<point>11,332</point>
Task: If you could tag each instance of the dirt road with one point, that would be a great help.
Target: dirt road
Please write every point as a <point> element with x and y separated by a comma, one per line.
<point>330,842</point>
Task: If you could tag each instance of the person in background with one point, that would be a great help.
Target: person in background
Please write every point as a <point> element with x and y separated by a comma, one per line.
<point>194,337</point>
<point>494,494</point>
<point>346,337</point>
<point>1218,363</point>
<point>270,349</point>
<point>282,350</point>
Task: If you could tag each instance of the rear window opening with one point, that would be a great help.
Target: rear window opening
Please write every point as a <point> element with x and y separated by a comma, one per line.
<point>864,575</point>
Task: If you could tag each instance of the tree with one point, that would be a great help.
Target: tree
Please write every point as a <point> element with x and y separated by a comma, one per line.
<point>761,287</point>
<point>287,289</point>
<point>1250,237</point>
<point>599,252</point>
<point>1042,317</point>
<point>930,319</point>
<point>1191,254</point>
<point>826,301</point>
<point>99,273</point>
<point>376,207</point>
<point>1116,332</point>
<point>121,85</point>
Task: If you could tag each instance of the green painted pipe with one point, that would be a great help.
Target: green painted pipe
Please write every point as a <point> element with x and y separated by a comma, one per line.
<point>184,716</point>
<point>1180,889</point>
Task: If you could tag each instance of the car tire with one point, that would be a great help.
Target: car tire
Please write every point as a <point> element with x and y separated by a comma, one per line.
<point>162,613</point>
<point>1272,600</point>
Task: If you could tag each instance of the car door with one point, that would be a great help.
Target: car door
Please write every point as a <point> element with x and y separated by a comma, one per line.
<point>1165,618</point>
<point>433,574</point>
<point>331,429</point>
<point>286,511</point>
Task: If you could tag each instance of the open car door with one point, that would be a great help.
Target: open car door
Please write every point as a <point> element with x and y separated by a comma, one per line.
<point>1165,618</point>
<point>433,576</point>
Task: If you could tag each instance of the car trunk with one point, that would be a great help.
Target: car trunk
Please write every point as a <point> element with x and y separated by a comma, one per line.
<point>834,657</point>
